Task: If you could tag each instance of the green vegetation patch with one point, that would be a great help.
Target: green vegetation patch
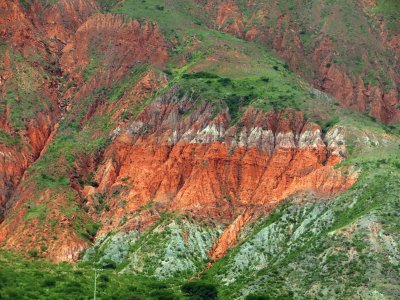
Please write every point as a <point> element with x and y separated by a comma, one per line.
<point>37,279</point>
<point>390,9</point>
<point>173,17</point>
<point>107,5</point>
<point>9,140</point>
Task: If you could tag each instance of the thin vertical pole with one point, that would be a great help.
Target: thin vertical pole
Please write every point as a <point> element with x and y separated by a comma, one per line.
<point>95,284</point>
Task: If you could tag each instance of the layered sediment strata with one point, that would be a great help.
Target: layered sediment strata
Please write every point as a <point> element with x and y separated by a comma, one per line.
<point>198,163</point>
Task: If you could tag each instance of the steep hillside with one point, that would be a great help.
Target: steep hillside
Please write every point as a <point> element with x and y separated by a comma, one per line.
<point>235,148</point>
<point>349,49</point>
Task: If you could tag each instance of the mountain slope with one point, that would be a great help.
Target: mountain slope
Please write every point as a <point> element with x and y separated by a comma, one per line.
<point>349,49</point>
<point>170,140</point>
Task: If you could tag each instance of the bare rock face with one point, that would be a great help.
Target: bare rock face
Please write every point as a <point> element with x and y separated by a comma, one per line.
<point>62,19</point>
<point>15,25</point>
<point>32,224</point>
<point>17,158</point>
<point>12,166</point>
<point>119,44</point>
<point>26,30</point>
<point>230,236</point>
<point>358,97</point>
<point>49,217</point>
<point>229,11</point>
<point>51,41</point>
<point>203,166</point>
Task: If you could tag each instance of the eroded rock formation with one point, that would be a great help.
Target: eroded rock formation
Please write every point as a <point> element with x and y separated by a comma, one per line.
<point>113,45</point>
<point>202,165</point>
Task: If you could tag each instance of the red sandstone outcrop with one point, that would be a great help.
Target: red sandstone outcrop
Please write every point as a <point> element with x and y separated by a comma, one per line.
<point>17,28</point>
<point>55,212</point>
<point>45,222</point>
<point>120,44</point>
<point>203,166</point>
<point>62,19</point>
<point>229,14</point>
<point>230,236</point>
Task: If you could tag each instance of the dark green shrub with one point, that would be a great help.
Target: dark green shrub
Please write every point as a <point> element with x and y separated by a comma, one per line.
<point>92,229</point>
<point>109,264</point>
<point>3,280</point>
<point>225,81</point>
<point>258,297</point>
<point>200,74</point>
<point>104,278</point>
<point>235,102</point>
<point>33,253</point>
<point>325,125</point>
<point>168,72</point>
<point>92,183</point>
<point>198,290</point>
<point>163,294</point>
<point>25,3</point>
<point>49,282</point>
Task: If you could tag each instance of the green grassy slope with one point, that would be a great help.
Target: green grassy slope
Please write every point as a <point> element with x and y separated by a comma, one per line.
<point>22,279</point>
<point>356,45</point>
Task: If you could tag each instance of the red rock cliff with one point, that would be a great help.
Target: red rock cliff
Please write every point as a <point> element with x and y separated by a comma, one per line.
<point>201,165</point>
